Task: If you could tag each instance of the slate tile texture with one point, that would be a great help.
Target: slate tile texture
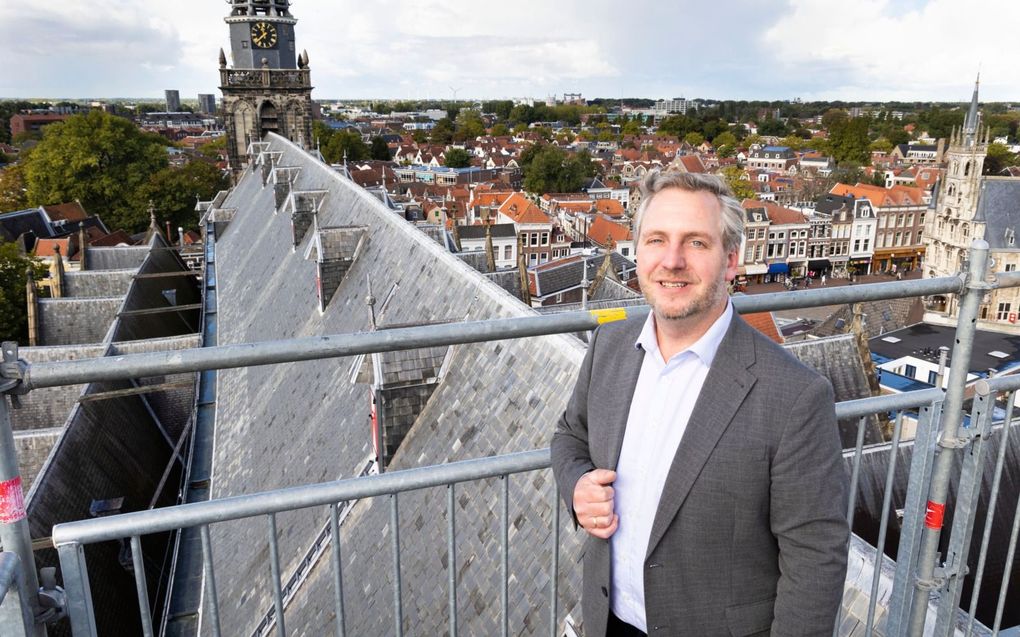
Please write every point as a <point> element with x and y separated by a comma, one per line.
<point>287,425</point>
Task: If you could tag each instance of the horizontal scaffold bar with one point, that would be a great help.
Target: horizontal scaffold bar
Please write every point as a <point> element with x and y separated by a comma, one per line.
<point>130,366</point>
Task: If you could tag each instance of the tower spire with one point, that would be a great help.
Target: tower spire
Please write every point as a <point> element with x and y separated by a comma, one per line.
<point>970,125</point>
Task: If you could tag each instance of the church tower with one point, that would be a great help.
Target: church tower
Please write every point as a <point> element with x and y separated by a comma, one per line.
<point>952,227</point>
<point>268,88</point>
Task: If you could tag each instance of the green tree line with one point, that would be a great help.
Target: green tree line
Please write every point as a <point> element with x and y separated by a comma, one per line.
<point>114,170</point>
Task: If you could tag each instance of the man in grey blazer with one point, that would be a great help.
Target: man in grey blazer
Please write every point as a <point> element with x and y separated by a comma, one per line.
<point>701,458</point>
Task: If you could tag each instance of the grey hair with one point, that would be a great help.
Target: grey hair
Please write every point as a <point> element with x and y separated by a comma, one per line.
<point>732,218</point>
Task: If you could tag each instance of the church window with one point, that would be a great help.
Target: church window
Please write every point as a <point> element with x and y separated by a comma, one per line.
<point>966,169</point>
<point>1003,311</point>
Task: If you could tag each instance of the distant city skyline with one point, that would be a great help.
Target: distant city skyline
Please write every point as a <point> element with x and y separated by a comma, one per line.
<point>872,50</point>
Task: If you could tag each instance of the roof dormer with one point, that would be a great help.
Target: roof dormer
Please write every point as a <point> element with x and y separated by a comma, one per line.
<point>334,250</point>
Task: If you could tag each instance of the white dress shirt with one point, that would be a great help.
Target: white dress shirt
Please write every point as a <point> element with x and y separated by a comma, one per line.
<point>663,400</point>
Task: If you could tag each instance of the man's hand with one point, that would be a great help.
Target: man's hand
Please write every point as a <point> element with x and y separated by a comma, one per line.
<point>593,503</point>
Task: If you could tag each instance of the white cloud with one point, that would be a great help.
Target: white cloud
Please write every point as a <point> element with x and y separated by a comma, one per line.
<point>740,49</point>
<point>870,49</point>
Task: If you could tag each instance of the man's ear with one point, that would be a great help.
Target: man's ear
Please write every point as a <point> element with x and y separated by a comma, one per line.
<point>732,261</point>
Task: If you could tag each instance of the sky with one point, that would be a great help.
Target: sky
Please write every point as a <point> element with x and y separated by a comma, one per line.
<point>869,50</point>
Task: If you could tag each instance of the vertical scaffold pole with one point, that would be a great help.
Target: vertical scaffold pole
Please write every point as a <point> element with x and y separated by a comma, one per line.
<point>949,441</point>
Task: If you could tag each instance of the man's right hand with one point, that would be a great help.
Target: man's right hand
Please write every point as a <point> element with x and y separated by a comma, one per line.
<point>593,503</point>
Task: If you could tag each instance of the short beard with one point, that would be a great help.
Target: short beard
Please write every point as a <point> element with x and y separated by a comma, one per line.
<point>697,306</point>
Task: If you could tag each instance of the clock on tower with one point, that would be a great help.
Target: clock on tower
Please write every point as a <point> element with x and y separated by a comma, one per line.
<point>268,89</point>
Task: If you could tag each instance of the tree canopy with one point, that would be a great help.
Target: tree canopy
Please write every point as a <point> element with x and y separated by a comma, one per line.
<point>379,149</point>
<point>998,158</point>
<point>98,159</point>
<point>12,188</point>
<point>13,312</point>
<point>175,191</point>
<point>469,125</point>
<point>457,158</point>
<point>550,169</point>
<point>848,141</point>
<point>741,187</point>
<point>333,144</point>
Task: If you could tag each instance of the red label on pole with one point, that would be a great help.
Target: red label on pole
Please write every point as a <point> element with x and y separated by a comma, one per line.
<point>934,514</point>
<point>12,501</point>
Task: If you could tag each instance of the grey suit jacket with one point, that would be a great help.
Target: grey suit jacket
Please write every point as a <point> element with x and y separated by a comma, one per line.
<point>750,537</point>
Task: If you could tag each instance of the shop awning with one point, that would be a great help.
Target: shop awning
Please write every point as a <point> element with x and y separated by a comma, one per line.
<point>778,268</point>
<point>757,268</point>
<point>819,264</point>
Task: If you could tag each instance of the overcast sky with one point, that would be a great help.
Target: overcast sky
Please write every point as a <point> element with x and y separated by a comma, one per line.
<point>721,49</point>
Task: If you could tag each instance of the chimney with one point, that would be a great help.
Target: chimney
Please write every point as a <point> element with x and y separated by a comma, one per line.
<point>490,254</point>
<point>83,244</point>
<point>57,272</point>
<point>32,306</point>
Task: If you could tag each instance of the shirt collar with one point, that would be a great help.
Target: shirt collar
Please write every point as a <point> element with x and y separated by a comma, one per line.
<point>704,348</point>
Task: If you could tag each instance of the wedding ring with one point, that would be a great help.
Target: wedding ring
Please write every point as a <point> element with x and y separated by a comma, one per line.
<point>595,521</point>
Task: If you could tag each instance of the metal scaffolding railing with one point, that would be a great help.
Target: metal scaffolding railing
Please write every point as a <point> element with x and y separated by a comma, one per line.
<point>919,567</point>
<point>15,610</point>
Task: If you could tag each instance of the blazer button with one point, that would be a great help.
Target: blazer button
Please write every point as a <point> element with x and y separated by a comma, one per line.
<point>605,593</point>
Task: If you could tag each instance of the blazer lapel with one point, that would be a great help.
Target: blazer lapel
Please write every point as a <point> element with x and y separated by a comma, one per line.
<point>725,388</point>
<point>627,373</point>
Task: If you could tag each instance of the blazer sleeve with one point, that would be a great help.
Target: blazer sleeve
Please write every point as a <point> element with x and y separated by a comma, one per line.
<point>571,456</point>
<point>808,516</point>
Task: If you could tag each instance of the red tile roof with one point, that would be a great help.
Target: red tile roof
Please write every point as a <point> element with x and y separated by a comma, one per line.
<point>48,247</point>
<point>692,163</point>
<point>880,197</point>
<point>777,214</point>
<point>610,207</point>
<point>602,230</point>
<point>518,208</point>
<point>70,211</point>
<point>765,323</point>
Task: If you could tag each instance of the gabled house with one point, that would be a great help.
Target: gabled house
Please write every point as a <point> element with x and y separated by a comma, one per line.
<point>534,229</point>
<point>611,235</point>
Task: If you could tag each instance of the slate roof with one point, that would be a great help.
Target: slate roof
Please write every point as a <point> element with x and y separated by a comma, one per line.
<point>16,223</point>
<point>837,359</point>
<point>310,421</point>
<point>999,208</point>
<point>564,274</point>
<point>920,148</point>
<point>405,367</point>
<point>830,203</point>
<point>880,317</point>
<point>500,230</point>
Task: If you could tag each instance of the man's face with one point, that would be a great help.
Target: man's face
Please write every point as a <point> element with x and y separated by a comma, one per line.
<point>682,265</point>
